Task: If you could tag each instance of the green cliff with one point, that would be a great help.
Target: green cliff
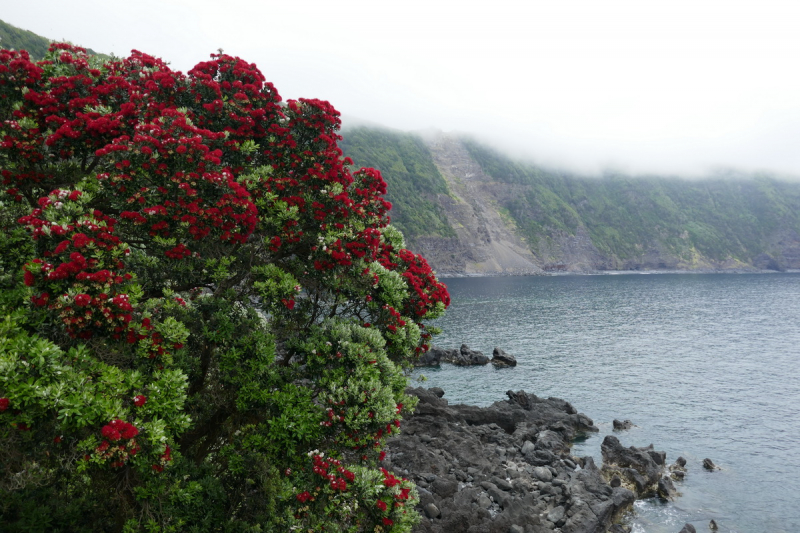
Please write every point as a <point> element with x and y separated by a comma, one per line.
<point>579,223</point>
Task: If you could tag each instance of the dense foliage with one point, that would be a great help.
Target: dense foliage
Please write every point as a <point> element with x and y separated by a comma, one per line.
<point>624,216</point>
<point>410,173</point>
<point>204,314</point>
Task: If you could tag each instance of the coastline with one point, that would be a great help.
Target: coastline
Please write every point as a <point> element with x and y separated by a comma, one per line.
<point>508,468</point>
<point>456,275</point>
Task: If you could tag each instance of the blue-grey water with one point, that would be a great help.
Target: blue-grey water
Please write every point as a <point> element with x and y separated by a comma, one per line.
<point>705,365</point>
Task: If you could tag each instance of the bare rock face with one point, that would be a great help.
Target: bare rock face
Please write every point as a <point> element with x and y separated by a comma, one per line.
<point>503,468</point>
<point>487,242</point>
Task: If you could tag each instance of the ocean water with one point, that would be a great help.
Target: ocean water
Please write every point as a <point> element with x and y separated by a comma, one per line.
<point>704,365</point>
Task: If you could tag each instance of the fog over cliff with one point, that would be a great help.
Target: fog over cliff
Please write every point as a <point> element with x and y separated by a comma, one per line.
<point>678,86</point>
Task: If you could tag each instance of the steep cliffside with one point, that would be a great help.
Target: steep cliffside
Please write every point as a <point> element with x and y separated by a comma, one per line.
<point>490,242</point>
<point>493,215</point>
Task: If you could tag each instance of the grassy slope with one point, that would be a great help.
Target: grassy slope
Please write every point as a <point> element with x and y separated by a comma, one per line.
<point>721,219</point>
<point>411,176</point>
<point>13,38</point>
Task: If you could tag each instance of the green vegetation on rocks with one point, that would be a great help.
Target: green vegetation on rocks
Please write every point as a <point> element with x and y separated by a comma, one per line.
<point>13,38</point>
<point>720,219</point>
<point>412,179</point>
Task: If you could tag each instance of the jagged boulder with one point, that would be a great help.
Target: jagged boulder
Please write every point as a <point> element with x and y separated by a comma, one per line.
<point>502,359</point>
<point>433,357</point>
<point>621,425</point>
<point>678,469</point>
<point>640,469</point>
<point>468,357</point>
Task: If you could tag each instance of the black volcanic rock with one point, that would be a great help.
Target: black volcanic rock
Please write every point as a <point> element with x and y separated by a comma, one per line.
<point>502,359</point>
<point>642,470</point>
<point>461,357</point>
<point>621,425</point>
<point>506,467</point>
<point>468,357</point>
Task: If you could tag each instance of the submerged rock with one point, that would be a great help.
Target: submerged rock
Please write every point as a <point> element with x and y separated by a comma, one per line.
<point>708,464</point>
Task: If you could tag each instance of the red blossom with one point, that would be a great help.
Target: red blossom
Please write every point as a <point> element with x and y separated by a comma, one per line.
<point>80,240</point>
<point>4,404</point>
<point>139,400</point>
<point>119,429</point>
<point>82,300</point>
<point>380,504</point>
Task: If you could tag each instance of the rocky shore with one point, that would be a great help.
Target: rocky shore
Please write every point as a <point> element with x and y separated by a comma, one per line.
<point>507,468</point>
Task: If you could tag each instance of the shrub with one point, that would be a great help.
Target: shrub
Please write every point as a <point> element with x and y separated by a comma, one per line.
<point>206,317</point>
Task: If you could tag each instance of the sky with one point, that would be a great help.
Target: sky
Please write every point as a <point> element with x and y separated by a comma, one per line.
<point>634,86</point>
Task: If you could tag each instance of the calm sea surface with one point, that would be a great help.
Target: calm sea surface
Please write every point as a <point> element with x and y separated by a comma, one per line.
<point>705,365</point>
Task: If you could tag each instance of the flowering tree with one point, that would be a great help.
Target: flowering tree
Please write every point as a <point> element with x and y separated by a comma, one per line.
<point>204,315</point>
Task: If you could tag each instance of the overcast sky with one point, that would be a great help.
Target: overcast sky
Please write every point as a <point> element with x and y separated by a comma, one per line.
<point>637,86</point>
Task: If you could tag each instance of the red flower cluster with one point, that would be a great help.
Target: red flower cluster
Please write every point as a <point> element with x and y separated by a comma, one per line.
<point>388,478</point>
<point>321,467</point>
<point>3,404</point>
<point>112,448</point>
<point>166,457</point>
<point>119,429</point>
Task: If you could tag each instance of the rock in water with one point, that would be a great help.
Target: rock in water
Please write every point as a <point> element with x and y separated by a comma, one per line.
<point>688,528</point>
<point>640,469</point>
<point>666,489</point>
<point>469,357</point>
<point>432,357</point>
<point>708,464</point>
<point>619,528</point>
<point>620,425</point>
<point>502,359</point>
